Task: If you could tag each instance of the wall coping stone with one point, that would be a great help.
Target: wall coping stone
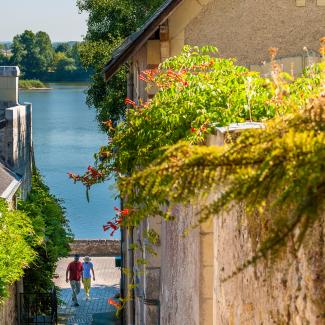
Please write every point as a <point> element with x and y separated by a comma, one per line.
<point>96,247</point>
<point>9,71</point>
<point>236,127</point>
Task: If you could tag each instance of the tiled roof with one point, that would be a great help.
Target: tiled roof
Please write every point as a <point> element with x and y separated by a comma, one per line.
<point>136,40</point>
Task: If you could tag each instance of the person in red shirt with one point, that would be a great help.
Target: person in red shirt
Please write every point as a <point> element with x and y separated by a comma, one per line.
<point>74,275</point>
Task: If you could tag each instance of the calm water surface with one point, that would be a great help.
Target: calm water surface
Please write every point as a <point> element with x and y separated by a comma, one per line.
<point>66,135</point>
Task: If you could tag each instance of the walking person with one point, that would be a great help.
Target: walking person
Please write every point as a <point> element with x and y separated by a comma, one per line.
<point>88,268</point>
<point>74,275</point>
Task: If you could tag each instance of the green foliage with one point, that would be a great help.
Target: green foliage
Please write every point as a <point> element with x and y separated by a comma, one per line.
<point>277,172</point>
<point>62,47</point>
<point>112,19</point>
<point>30,84</point>
<point>38,59</point>
<point>4,60</point>
<point>33,53</point>
<point>63,64</point>
<point>17,237</point>
<point>107,98</point>
<point>32,239</point>
<point>157,155</point>
<point>44,45</point>
<point>4,55</point>
<point>109,22</point>
<point>67,64</point>
<point>197,92</point>
<point>49,221</point>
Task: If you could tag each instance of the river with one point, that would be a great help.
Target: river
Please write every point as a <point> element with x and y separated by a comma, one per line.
<point>66,135</point>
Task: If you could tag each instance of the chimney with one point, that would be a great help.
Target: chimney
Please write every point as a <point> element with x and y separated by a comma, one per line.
<point>16,126</point>
<point>9,86</point>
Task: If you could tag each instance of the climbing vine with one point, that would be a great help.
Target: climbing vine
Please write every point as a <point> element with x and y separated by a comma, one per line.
<point>159,160</point>
<point>277,172</point>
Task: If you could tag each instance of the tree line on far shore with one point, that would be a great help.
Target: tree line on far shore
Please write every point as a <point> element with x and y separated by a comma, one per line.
<point>39,58</point>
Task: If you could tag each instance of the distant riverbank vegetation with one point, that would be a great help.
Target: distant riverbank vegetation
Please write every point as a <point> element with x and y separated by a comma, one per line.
<point>31,84</point>
<point>109,23</point>
<point>40,59</point>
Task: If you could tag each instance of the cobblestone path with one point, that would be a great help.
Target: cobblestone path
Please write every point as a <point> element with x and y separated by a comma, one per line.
<point>96,311</point>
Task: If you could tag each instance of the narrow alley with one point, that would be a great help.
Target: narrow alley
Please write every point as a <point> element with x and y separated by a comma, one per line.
<point>97,311</point>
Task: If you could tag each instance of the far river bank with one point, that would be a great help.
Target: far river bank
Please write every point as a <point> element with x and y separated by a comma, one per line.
<point>32,85</point>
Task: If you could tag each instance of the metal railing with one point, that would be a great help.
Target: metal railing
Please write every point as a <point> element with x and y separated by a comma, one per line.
<point>38,308</point>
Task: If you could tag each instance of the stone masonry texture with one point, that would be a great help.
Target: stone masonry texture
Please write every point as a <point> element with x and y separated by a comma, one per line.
<point>291,290</point>
<point>179,293</point>
<point>9,310</point>
<point>247,29</point>
<point>96,247</point>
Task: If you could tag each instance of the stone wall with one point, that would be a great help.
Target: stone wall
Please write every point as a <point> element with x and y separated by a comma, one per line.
<point>168,285</point>
<point>289,291</point>
<point>16,136</point>
<point>246,29</point>
<point>9,86</point>
<point>180,271</point>
<point>96,247</point>
<point>195,287</point>
<point>17,152</point>
<point>9,311</point>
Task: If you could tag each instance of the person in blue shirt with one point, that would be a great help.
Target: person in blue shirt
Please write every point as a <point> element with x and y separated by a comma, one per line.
<point>88,268</point>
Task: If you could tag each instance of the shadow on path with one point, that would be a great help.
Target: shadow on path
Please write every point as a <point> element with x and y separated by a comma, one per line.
<point>105,319</point>
<point>96,311</point>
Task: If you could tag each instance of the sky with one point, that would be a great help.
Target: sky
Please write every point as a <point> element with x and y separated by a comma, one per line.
<point>59,18</point>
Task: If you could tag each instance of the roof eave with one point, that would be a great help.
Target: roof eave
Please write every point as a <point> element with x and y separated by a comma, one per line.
<point>11,190</point>
<point>143,35</point>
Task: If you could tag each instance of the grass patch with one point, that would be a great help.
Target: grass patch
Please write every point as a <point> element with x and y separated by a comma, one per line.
<point>31,84</point>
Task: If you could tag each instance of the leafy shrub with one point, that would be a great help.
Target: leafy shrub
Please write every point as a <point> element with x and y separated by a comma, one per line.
<point>48,218</point>
<point>17,238</point>
<point>158,158</point>
<point>197,91</point>
<point>277,172</point>
<point>109,23</point>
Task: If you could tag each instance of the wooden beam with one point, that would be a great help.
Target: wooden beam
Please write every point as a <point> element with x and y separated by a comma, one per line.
<point>133,43</point>
<point>164,41</point>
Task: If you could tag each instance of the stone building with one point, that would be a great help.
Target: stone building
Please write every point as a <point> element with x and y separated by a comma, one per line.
<point>15,138</point>
<point>183,284</point>
<point>15,163</point>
